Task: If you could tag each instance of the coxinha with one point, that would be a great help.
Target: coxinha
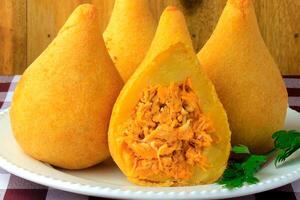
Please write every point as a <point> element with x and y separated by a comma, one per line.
<point>164,119</point>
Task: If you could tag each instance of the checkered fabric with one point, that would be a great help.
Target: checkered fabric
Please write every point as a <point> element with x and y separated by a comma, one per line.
<point>7,87</point>
<point>15,188</point>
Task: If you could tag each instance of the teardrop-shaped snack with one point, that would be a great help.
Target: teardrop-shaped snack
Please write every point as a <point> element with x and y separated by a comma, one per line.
<point>246,77</point>
<point>129,34</point>
<point>172,28</point>
<point>62,104</point>
<point>168,126</point>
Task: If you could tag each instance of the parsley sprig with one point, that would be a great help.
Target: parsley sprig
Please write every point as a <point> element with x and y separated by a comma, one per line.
<point>286,142</point>
<point>240,172</point>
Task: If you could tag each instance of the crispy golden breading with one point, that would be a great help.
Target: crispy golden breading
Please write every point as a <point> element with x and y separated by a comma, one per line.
<point>129,34</point>
<point>170,64</point>
<point>171,29</point>
<point>62,104</point>
<point>246,77</point>
<point>142,141</point>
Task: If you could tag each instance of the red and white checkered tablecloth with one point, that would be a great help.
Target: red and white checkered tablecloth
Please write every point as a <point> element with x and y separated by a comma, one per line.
<point>15,188</point>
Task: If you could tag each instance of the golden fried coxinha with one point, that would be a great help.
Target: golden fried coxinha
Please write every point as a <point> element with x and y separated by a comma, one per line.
<point>168,127</point>
<point>171,29</point>
<point>62,104</point>
<point>129,34</point>
<point>246,77</point>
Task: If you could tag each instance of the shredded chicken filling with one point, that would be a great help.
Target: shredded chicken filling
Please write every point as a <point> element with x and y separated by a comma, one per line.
<point>167,132</point>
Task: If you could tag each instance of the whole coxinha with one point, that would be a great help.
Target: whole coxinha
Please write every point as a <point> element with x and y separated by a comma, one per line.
<point>166,116</point>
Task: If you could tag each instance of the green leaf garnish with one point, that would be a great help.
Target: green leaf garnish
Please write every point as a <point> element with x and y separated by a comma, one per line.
<point>240,149</point>
<point>286,142</point>
<point>240,172</point>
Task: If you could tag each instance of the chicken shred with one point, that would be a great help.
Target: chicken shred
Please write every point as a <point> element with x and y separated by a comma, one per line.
<point>167,132</point>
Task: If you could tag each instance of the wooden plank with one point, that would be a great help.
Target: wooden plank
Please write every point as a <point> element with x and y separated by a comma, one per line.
<point>12,36</point>
<point>201,16</point>
<point>21,39</point>
<point>280,27</point>
<point>44,19</point>
<point>278,22</point>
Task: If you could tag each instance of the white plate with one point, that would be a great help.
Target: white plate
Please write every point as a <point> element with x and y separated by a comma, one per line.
<point>105,180</point>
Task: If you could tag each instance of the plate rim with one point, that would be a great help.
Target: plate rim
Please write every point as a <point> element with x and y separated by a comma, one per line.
<point>100,191</point>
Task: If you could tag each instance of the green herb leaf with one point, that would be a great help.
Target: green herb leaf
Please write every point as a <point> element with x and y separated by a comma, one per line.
<point>286,142</point>
<point>238,173</point>
<point>241,149</point>
<point>253,164</point>
<point>233,176</point>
